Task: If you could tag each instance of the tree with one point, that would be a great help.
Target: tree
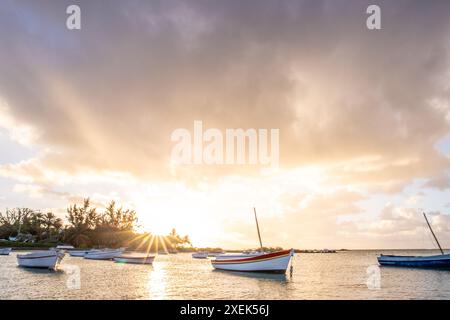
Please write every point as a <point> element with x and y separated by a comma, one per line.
<point>83,217</point>
<point>51,224</point>
<point>82,221</point>
<point>116,226</point>
<point>16,221</point>
<point>176,240</point>
<point>118,218</point>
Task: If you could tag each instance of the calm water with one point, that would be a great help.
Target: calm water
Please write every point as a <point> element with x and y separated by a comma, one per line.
<point>316,276</point>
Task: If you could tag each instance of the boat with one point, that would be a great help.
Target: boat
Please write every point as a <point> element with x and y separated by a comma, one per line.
<point>434,261</point>
<point>215,254</point>
<point>64,247</point>
<point>78,253</point>
<point>200,255</point>
<point>273,262</point>
<point>135,259</point>
<point>5,251</point>
<point>107,254</point>
<point>41,259</point>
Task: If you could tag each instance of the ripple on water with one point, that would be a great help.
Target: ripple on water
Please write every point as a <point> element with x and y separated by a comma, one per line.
<point>316,276</point>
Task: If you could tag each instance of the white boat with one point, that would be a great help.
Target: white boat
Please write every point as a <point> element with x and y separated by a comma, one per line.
<point>135,259</point>
<point>215,254</point>
<point>5,251</point>
<point>41,259</point>
<point>107,254</point>
<point>64,247</point>
<point>78,253</point>
<point>275,262</point>
<point>200,255</point>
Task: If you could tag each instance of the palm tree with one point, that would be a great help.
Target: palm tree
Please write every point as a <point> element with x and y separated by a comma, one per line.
<point>51,223</point>
<point>176,240</point>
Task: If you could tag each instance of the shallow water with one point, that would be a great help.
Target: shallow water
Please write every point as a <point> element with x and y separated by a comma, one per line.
<point>343,275</point>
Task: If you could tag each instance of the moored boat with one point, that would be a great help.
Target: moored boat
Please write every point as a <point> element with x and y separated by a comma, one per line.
<point>275,262</point>
<point>5,251</point>
<point>107,254</point>
<point>41,259</point>
<point>64,247</point>
<point>215,254</point>
<point>272,262</point>
<point>434,261</point>
<point>200,255</point>
<point>134,259</point>
<point>78,253</point>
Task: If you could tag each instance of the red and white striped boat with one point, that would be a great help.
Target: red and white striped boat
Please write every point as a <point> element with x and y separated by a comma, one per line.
<point>275,262</point>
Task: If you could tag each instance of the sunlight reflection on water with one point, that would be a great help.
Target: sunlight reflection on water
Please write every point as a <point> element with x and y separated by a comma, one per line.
<point>157,282</point>
<point>316,276</point>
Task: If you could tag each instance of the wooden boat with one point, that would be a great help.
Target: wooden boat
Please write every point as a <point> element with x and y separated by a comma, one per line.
<point>200,255</point>
<point>435,261</point>
<point>107,254</point>
<point>135,259</point>
<point>5,251</point>
<point>275,262</point>
<point>41,259</point>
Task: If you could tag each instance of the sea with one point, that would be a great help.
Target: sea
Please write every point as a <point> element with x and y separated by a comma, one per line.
<point>351,275</point>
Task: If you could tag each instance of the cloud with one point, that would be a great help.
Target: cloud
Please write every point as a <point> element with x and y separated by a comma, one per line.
<point>304,220</point>
<point>399,226</point>
<point>109,96</point>
<point>359,111</point>
<point>440,183</point>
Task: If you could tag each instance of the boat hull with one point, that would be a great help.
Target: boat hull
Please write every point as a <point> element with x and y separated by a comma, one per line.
<point>78,253</point>
<point>276,262</point>
<point>135,260</point>
<point>5,251</point>
<point>438,261</point>
<point>215,254</point>
<point>43,260</point>
<point>200,255</point>
<point>103,255</point>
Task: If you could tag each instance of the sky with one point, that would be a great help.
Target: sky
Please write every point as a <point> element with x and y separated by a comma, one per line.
<point>363,116</point>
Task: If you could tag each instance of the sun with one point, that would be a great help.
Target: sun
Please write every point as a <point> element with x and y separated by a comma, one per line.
<point>156,226</point>
<point>159,218</point>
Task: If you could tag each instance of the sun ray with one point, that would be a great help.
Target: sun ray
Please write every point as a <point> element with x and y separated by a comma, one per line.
<point>150,243</point>
<point>163,242</point>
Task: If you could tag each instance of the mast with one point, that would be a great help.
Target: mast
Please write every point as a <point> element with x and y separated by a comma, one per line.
<point>431,229</point>
<point>257,228</point>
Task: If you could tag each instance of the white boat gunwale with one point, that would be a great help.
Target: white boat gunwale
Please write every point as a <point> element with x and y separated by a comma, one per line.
<point>275,262</point>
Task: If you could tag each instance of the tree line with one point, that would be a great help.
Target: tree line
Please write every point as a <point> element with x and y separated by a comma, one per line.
<point>85,227</point>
